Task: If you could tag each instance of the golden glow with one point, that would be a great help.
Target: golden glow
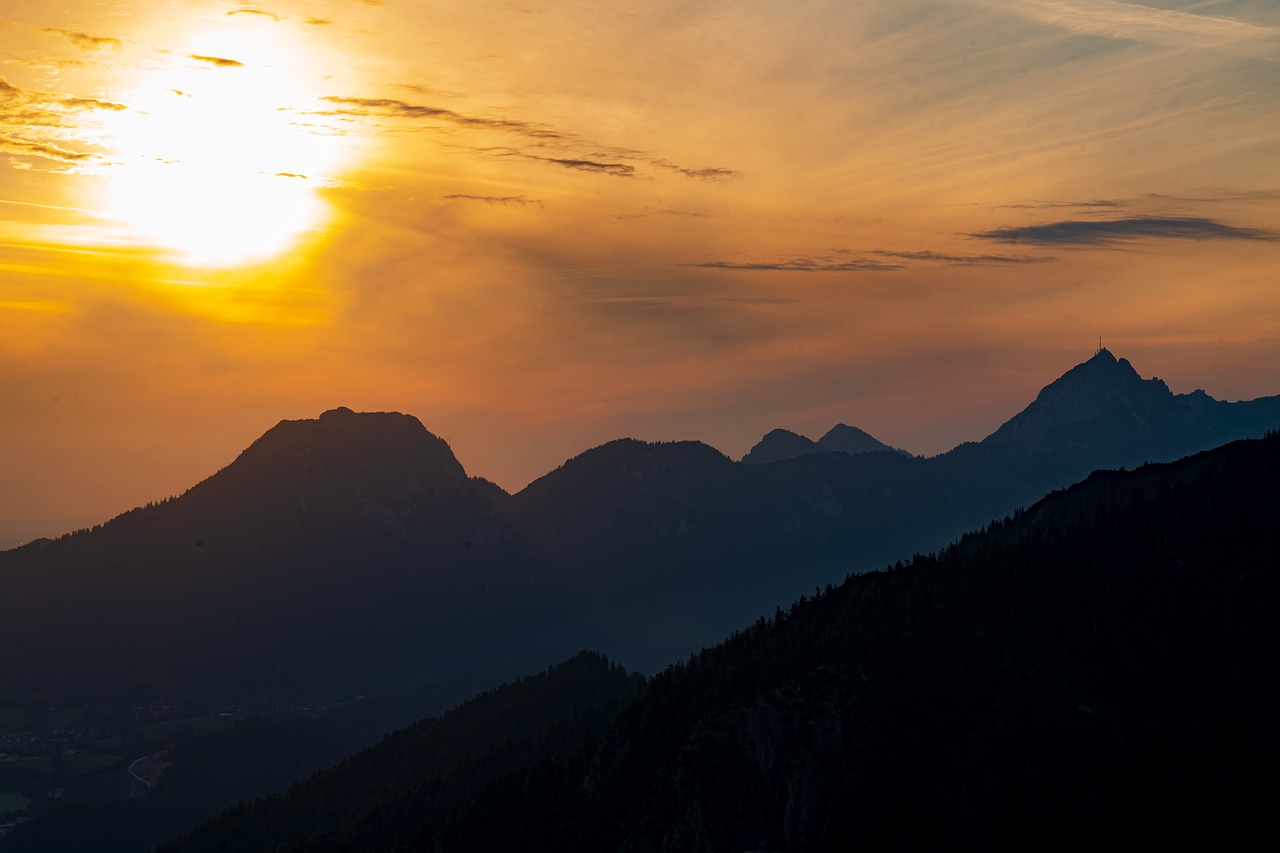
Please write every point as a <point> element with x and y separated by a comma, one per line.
<point>214,160</point>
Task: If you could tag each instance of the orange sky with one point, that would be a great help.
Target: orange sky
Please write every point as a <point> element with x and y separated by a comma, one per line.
<point>540,226</point>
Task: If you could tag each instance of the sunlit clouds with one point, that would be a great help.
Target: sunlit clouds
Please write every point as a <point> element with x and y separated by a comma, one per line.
<point>539,227</point>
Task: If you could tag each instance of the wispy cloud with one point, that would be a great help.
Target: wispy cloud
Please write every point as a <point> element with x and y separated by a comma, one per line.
<point>42,125</point>
<point>219,61</point>
<point>91,104</point>
<point>85,41</point>
<point>1144,24</point>
<point>620,170</point>
<point>46,150</point>
<point>579,154</point>
<point>711,174</point>
<point>1206,195</point>
<point>801,265</point>
<point>1036,204</point>
<point>248,10</point>
<point>404,109</point>
<point>1109,231</point>
<point>509,200</point>
<point>846,260</point>
<point>962,260</point>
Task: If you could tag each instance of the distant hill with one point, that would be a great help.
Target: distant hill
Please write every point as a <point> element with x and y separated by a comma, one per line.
<point>1098,669</point>
<point>780,444</point>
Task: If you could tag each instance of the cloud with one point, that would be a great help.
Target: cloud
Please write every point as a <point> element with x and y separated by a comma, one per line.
<point>1052,205</point>
<point>246,10</point>
<point>91,104</point>
<point>47,150</point>
<point>517,200</point>
<point>541,134</point>
<point>404,109</point>
<point>1104,232</point>
<point>851,261</point>
<point>31,108</point>
<point>962,260</point>
<point>1207,195</point>
<point>318,22</point>
<point>801,265</point>
<point>621,170</point>
<point>1143,24</point>
<point>84,40</point>
<point>711,174</point>
<point>219,61</point>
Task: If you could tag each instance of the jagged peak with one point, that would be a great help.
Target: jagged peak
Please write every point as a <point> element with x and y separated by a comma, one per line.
<point>1104,383</point>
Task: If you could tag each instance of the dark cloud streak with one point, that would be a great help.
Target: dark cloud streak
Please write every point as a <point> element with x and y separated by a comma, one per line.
<point>962,260</point>
<point>509,200</point>
<point>84,40</point>
<point>801,265</point>
<point>599,161</point>
<point>1110,231</point>
<point>47,150</point>
<point>219,61</point>
<point>247,10</point>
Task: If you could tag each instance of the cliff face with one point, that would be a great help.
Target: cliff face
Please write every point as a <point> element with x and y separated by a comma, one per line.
<point>759,778</point>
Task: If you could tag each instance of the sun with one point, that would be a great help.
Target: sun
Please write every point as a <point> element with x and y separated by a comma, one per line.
<point>215,159</point>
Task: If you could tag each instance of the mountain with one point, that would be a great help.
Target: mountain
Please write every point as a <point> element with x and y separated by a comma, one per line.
<point>843,438</point>
<point>1100,666</point>
<point>335,556</point>
<point>1102,414</point>
<point>780,444</point>
<point>351,555</point>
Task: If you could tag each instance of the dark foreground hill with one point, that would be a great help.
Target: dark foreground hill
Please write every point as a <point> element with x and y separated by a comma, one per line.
<point>431,767</point>
<point>1098,671</point>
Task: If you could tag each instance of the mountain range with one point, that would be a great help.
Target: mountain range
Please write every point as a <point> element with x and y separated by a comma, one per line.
<point>1096,672</point>
<point>351,555</point>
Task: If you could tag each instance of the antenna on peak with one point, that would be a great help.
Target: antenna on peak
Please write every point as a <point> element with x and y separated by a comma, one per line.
<point>1099,349</point>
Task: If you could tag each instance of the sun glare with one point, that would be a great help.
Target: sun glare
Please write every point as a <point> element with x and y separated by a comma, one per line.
<point>215,163</point>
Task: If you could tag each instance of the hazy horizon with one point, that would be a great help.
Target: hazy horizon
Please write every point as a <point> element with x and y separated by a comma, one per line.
<point>537,228</point>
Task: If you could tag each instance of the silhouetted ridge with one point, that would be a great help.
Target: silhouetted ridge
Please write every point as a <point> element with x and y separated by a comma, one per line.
<point>780,444</point>
<point>1102,388</point>
<point>851,440</point>
<point>378,454</point>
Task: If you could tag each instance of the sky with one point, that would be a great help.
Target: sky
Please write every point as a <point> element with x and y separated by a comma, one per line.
<point>539,226</point>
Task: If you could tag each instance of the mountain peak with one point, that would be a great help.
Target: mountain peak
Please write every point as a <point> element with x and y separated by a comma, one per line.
<point>780,444</point>
<point>340,451</point>
<point>1096,401</point>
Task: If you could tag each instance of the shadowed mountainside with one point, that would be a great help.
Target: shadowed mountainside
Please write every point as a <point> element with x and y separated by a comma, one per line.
<point>1100,666</point>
